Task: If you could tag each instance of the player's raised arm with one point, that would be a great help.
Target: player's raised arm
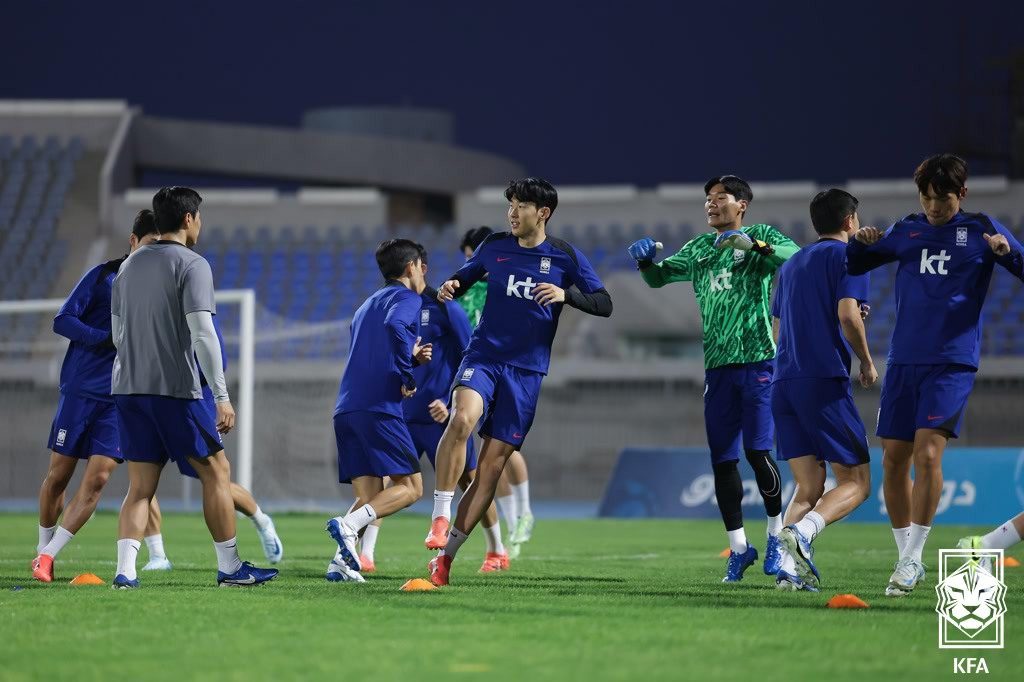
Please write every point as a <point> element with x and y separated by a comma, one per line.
<point>588,293</point>
<point>471,272</point>
<point>870,248</point>
<point>401,324</point>
<point>677,268</point>
<point>1008,251</point>
<point>68,322</point>
<point>773,245</point>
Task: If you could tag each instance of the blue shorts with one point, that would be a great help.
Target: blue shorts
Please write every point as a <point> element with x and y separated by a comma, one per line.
<point>373,444</point>
<point>156,428</point>
<point>209,405</point>
<point>924,397</point>
<point>510,396</point>
<point>425,438</point>
<point>818,417</point>
<point>84,427</point>
<point>737,401</point>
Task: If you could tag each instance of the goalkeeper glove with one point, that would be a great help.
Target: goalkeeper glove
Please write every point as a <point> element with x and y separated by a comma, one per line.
<point>741,241</point>
<point>643,251</point>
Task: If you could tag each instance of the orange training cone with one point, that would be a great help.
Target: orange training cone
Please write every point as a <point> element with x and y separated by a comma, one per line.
<point>846,601</point>
<point>724,554</point>
<point>1010,562</point>
<point>418,585</point>
<point>87,579</point>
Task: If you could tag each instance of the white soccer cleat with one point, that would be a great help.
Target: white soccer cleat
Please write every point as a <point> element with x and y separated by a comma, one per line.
<point>272,547</point>
<point>974,542</point>
<point>338,572</point>
<point>346,539</point>
<point>161,564</point>
<point>905,578</point>
<point>523,530</point>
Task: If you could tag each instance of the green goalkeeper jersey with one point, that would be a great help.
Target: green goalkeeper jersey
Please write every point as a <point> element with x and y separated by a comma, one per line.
<point>733,290</point>
<point>473,302</point>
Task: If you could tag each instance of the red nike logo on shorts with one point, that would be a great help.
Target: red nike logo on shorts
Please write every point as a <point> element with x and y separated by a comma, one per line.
<point>931,418</point>
<point>502,260</point>
<point>914,234</point>
<point>764,379</point>
<point>516,435</point>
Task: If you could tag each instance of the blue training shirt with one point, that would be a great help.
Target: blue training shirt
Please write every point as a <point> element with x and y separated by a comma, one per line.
<point>380,362</point>
<point>446,326</point>
<point>941,283</point>
<point>513,328</point>
<point>811,284</point>
<point>84,319</point>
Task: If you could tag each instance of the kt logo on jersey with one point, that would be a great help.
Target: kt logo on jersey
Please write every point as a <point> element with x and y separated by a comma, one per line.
<point>934,264</point>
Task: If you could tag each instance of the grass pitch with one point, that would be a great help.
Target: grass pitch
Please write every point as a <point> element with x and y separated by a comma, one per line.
<point>594,599</point>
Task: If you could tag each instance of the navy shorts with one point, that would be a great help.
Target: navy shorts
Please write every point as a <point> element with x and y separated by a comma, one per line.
<point>510,396</point>
<point>210,407</point>
<point>924,397</point>
<point>156,428</point>
<point>737,402</point>
<point>84,427</point>
<point>425,438</point>
<point>373,444</point>
<point>818,417</point>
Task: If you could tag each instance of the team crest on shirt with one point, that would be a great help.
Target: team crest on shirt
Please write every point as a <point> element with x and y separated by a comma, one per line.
<point>62,436</point>
<point>425,316</point>
<point>961,236</point>
<point>468,374</point>
<point>738,256</point>
<point>545,265</point>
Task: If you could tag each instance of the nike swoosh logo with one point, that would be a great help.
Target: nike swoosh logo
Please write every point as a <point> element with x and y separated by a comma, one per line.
<point>502,260</point>
<point>931,418</point>
<point>248,581</point>
<point>914,234</point>
<point>764,379</point>
<point>705,258</point>
<point>516,435</point>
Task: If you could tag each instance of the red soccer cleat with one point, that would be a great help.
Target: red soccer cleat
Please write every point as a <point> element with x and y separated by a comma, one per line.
<point>439,567</point>
<point>367,564</point>
<point>42,568</point>
<point>494,562</point>
<point>438,536</point>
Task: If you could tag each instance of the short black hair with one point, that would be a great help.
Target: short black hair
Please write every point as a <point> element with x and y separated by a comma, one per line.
<point>172,204</point>
<point>145,224</point>
<point>423,252</point>
<point>394,254</point>
<point>533,191</point>
<point>830,208</point>
<point>475,236</point>
<point>734,185</point>
<point>945,173</point>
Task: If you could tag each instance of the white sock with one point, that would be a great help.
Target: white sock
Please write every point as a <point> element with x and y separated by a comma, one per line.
<point>915,542</point>
<point>522,494</point>
<point>127,553</point>
<point>455,540</point>
<point>45,535</point>
<point>810,525</point>
<point>369,543</point>
<point>227,556</point>
<point>155,545</point>
<point>507,508</point>
<point>737,540</point>
<point>1003,537</point>
<point>493,535</point>
<point>56,544</point>
<point>774,524</point>
<point>358,519</point>
<point>260,519</point>
<point>901,535</point>
<point>443,504</point>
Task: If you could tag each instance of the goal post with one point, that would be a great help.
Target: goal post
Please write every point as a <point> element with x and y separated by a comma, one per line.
<point>245,299</point>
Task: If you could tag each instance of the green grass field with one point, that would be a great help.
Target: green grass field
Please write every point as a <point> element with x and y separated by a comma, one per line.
<point>588,600</point>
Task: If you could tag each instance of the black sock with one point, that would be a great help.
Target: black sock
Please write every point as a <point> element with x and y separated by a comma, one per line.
<point>729,491</point>
<point>766,471</point>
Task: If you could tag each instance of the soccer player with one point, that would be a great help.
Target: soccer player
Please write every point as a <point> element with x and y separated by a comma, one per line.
<point>513,492</point>
<point>162,322</point>
<point>1003,537</point>
<point>530,278</point>
<point>369,423</point>
<point>945,257</point>
<point>817,313</point>
<point>446,328</point>
<point>732,269</point>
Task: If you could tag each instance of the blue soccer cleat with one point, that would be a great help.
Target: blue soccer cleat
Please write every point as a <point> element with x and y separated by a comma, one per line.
<point>123,583</point>
<point>772,556</point>
<point>800,549</point>
<point>788,582</point>
<point>346,539</point>
<point>338,572</point>
<point>247,576</point>
<point>738,563</point>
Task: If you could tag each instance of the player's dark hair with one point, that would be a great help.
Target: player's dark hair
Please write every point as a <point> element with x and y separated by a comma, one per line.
<point>945,173</point>
<point>172,204</point>
<point>533,191</point>
<point>394,254</point>
<point>830,208</point>
<point>475,236</point>
<point>734,185</point>
<point>145,224</point>
<point>423,252</point>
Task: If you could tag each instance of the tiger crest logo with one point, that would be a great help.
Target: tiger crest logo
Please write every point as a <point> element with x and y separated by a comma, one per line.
<point>971,599</point>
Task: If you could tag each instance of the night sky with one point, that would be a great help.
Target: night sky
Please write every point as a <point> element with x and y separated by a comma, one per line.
<point>585,92</point>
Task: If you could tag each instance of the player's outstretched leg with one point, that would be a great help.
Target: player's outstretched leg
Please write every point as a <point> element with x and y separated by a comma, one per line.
<point>809,475</point>
<point>496,557</point>
<point>519,485</point>
<point>450,460</point>
<point>1003,537</point>
<point>51,495</point>
<point>493,456</point>
<point>246,504</point>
